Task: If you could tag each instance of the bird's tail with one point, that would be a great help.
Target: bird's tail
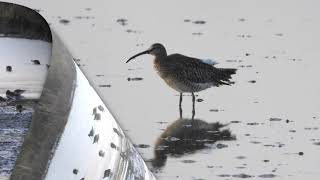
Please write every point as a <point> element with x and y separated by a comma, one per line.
<point>225,75</point>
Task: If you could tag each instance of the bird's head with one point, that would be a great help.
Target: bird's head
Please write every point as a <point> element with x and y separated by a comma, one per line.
<point>156,49</point>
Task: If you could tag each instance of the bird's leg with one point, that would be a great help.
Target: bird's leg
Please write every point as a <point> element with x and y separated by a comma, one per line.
<point>180,108</point>
<point>193,104</point>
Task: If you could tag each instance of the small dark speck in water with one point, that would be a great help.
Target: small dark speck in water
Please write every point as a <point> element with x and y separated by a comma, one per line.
<point>199,22</point>
<point>106,173</point>
<point>252,81</point>
<point>97,116</point>
<point>275,119</point>
<point>64,21</point>
<point>292,130</point>
<point>216,110</point>
<point>241,19</point>
<point>101,153</point>
<point>135,79</point>
<point>104,85</point>
<point>188,161</point>
<point>197,33</point>
<point>8,68</point>
<point>122,21</point>
<point>99,75</point>
<point>301,153</point>
<point>210,166</point>
<point>36,62</point>
<point>253,124</point>
<point>317,143</point>
<point>199,100</point>
<point>221,146</point>
<point>247,54</point>
<point>19,108</point>
<point>112,145</point>
<point>91,133</point>
<point>242,175</point>
<point>240,157</point>
<point>279,34</point>
<point>224,175</point>
<point>82,178</point>
<point>117,132</point>
<point>266,160</point>
<point>255,142</point>
<point>162,122</point>
<point>235,122</point>
<point>267,176</point>
<point>75,171</point>
<point>96,138</point>
<point>88,9</point>
<point>100,107</point>
<point>142,146</point>
<point>287,121</point>
<point>187,20</point>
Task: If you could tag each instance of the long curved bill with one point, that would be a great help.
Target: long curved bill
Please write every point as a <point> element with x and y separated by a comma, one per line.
<point>139,54</point>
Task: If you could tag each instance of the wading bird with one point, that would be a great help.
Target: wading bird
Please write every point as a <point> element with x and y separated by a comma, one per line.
<point>186,74</point>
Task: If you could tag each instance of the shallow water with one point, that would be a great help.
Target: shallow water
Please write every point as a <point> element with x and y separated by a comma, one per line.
<point>272,109</point>
<point>18,53</point>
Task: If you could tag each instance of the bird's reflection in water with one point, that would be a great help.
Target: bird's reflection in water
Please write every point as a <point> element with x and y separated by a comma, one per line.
<point>186,136</point>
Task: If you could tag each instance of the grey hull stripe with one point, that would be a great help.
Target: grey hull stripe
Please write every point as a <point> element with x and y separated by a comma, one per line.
<point>50,116</point>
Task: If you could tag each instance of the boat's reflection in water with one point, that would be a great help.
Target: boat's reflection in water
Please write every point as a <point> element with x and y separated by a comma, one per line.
<point>187,136</point>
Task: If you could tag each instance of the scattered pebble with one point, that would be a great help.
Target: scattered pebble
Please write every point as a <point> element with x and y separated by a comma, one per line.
<point>97,116</point>
<point>96,138</point>
<point>91,133</point>
<point>100,107</point>
<point>36,62</point>
<point>113,146</point>
<point>301,153</point>
<point>75,171</point>
<point>242,175</point>
<point>221,146</point>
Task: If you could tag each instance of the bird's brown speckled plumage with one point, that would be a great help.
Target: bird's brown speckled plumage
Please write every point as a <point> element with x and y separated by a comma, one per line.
<point>187,74</point>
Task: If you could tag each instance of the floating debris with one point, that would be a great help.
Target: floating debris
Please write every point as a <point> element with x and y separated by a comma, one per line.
<point>266,160</point>
<point>275,119</point>
<point>122,21</point>
<point>267,176</point>
<point>188,161</point>
<point>104,85</point>
<point>142,146</point>
<point>240,157</point>
<point>64,21</point>
<point>75,171</point>
<point>244,35</point>
<point>252,81</point>
<point>135,79</point>
<point>197,33</point>
<point>199,100</point>
<point>199,22</point>
<point>113,146</point>
<point>301,153</point>
<point>9,69</point>
<point>94,111</point>
<point>117,132</point>
<point>99,75</point>
<point>101,153</point>
<point>91,133</point>
<point>97,116</point>
<point>242,19</point>
<point>242,175</point>
<point>279,34</point>
<point>317,143</point>
<point>253,124</point>
<point>96,139</point>
<point>107,173</point>
<point>221,146</point>
<point>100,107</point>
<point>247,54</point>
<point>235,122</point>
<point>36,62</point>
<point>88,9</point>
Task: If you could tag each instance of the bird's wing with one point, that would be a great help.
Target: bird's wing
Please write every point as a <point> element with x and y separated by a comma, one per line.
<point>196,71</point>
